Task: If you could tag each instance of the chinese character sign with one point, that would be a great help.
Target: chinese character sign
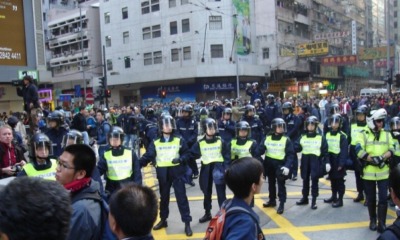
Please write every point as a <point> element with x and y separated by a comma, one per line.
<point>339,60</point>
<point>312,49</point>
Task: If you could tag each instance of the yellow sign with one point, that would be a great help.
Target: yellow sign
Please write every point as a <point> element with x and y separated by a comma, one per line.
<point>287,52</point>
<point>282,85</point>
<point>325,83</point>
<point>374,53</point>
<point>312,49</point>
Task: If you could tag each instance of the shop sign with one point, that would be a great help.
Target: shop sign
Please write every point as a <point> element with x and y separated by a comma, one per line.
<point>210,87</point>
<point>355,72</point>
<point>382,64</point>
<point>374,53</point>
<point>329,72</point>
<point>339,60</point>
<point>330,35</point>
<point>325,83</point>
<point>312,49</point>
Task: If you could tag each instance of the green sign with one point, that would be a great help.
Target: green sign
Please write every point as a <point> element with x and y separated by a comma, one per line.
<point>33,73</point>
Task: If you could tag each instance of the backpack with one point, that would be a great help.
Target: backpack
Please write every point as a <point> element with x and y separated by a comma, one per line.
<point>216,225</point>
<point>105,227</point>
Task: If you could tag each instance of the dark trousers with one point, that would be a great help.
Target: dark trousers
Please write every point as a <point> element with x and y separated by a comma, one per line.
<point>370,189</point>
<point>272,180</point>
<point>338,187</point>
<point>306,186</point>
<point>295,166</point>
<point>193,165</point>
<point>359,182</point>
<point>221,193</point>
<point>181,199</point>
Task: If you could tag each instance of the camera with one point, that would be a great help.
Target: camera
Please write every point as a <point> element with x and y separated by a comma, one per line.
<point>17,168</point>
<point>17,83</point>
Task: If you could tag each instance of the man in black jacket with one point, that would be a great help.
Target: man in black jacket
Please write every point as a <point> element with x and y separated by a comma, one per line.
<point>29,93</point>
<point>79,123</point>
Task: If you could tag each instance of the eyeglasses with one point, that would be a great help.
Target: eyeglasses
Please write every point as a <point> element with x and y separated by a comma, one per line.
<point>63,165</point>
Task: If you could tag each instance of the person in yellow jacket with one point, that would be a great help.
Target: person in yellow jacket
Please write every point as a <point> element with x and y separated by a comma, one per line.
<point>42,165</point>
<point>375,146</point>
<point>242,146</point>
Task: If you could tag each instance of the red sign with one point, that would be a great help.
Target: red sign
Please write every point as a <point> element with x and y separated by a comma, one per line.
<point>382,64</point>
<point>339,60</point>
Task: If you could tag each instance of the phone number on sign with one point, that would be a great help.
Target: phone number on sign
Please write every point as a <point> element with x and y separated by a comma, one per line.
<point>10,55</point>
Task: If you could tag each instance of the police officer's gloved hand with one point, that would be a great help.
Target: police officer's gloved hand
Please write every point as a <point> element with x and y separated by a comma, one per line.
<point>285,171</point>
<point>176,161</point>
<point>378,161</point>
<point>328,167</point>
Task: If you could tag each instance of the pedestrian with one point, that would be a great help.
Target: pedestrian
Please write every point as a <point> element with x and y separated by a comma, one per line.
<point>29,93</point>
<point>42,164</point>
<point>314,149</point>
<point>337,156</point>
<point>169,154</point>
<point>253,90</point>
<point>103,128</point>
<point>119,164</point>
<point>12,157</point>
<point>34,208</point>
<point>215,158</point>
<point>245,178</point>
<point>56,131</point>
<point>375,147</point>
<point>74,170</point>
<point>279,157</point>
<point>322,105</point>
<point>79,123</point>
<point>133,200</point>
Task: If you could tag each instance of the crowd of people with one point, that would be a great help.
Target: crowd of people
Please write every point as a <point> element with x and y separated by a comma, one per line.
<point>313,137</point>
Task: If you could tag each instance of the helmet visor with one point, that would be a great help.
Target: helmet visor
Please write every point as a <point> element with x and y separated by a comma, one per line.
<point>279,127</point>
<point>211,128</point>
<point>333,121</point>
<point>43,149</point>
<point>69,140</point>
<point>395,125</point>
<point>168,124</point>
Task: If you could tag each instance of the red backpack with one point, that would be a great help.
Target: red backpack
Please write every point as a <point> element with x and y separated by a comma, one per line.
<point>216,225</point>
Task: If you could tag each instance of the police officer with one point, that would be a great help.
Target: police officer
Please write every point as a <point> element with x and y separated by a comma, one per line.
<point>294,125</point>
<point>42,164</point>
<point>255,123</point>
<point>215,158</point>
<point>226,127</point>
<point>254,92</point>
<point>314,149</point>
<point>169,155</point>
<point>279,156</point>
<point>242,146</point>
<point>260,112</point>
<point>355,128</point>
<point>375,147</point>
<point>335,109</point>
<point>395,130</point>
<point>56,131</point>
<point>119,163</point>
<point>103,128</point>
<point>337,155</point>
<point>271,110</point>
<point>188,128</point>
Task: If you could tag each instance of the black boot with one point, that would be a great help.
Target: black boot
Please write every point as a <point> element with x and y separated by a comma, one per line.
<point>331,199</point>
<point>188,230</point>
<point>281,208</point>
<point>359,197</point>
<point>161,224</point>
<point>302,201</point>
<point>338,203</point>
<point>314,203</point>
<point>382,211</point>
<point>372,216</point>
<point>270,203</point>
<point>207,217</point>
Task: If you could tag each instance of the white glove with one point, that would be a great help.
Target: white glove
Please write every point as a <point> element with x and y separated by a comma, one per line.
<point>285,171</point>
<point>328,167</point>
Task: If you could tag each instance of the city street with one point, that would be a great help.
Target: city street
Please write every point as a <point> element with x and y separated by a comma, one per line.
<point>297,222</point>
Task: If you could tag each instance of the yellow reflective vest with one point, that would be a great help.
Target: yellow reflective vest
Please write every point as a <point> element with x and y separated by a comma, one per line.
<point>355,130</point>
<point>311,146</point>
<point>240,150</point>
<point>333,143</point>
<point>373,147</point>
<point>48,174</point>
<point>275,148</point>
<point>166,152</point>
<point>119,167</point>
<point>211,152</point>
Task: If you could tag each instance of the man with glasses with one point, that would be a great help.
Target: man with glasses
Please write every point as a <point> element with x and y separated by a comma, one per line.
<point>74,168</point>
<point>375,147</point>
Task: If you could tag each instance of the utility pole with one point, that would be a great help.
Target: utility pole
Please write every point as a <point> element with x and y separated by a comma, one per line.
<point>388,71</point>
<point>105,75</point>
<point>83,55</point>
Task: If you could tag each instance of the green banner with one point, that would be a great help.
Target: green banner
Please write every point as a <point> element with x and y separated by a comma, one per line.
<point>242,27</point>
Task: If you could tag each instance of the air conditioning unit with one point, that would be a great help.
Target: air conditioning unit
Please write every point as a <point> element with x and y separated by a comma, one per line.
<point>84,62</point>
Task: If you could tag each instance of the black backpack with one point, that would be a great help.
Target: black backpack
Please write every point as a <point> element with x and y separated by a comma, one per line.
<point>105,227</point>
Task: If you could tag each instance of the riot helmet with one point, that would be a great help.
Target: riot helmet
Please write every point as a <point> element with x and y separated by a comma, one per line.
<point>335,109</point>
<point>72,137</point>
<point>361,113</point>
<point>209,127</point>
<point>335,119</point>
<point>249,110</point>
<point>277,124</point>
<point>116,136</point>
<point>227,112</point>
<point>167,124</point>
<point>187,108</point>
<point>243,127</point>
<point>287,108</point>
<point>311,120</point>
<point>57,117</point>
<point>41,146</point>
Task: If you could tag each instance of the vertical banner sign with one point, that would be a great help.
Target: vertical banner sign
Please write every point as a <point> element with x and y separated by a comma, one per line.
<point>12,33</point>
<point>242,27</point>
<point>353,37</point>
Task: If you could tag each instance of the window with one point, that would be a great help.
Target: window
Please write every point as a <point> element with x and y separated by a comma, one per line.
<point>127,61</point>
<point>217,51</point>
<point>157,57</point>
<point>125,37</point>
<point>173,28</point>
<point>156,31</point>
<point>395,14</point>
<point>185,25</point>
<point>125,13</point>
<point>153,5</point>
<point>172,3</point>
<point>107,17</point>
<point>183,2</point>
<point>146,33</point>
<point>215,22</point>
<point>265,53</point>
<point>109,64</point>
<point>148,59</point>
<point>108,41</point>
<point>145,7</point>
<point>187,55</point>
<point>395,25</point>
<point>174,55</point>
